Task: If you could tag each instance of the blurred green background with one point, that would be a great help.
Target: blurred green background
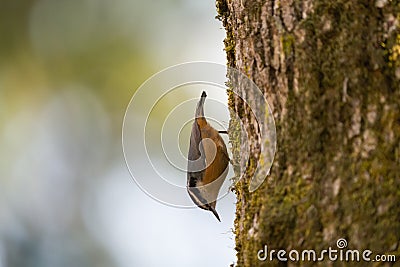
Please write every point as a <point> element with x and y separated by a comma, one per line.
<point>68,69</point>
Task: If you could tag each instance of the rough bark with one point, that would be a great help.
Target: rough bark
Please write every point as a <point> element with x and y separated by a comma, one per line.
<point>331,72</point>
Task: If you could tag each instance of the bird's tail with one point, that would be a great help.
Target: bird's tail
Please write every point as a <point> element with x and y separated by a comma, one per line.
<point>200,105</point>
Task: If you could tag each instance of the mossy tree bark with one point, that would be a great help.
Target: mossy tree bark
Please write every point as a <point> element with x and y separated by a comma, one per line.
<point>331,72</point>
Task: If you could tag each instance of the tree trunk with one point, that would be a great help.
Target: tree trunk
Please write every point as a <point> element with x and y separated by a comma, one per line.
<point>330,70</point>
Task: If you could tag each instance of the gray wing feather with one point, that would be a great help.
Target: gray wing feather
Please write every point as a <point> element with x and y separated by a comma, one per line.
<point>196,157</point>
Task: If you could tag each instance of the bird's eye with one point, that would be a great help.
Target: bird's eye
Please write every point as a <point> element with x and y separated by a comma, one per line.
<point>192,181</point>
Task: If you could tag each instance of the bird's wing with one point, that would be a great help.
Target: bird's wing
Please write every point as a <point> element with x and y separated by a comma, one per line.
<point>196,157</point>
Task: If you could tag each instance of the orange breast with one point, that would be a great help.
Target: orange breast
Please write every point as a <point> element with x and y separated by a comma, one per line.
<point>219,165</point>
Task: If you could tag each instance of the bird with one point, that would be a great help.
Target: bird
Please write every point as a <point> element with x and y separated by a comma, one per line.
<point>208,161</point>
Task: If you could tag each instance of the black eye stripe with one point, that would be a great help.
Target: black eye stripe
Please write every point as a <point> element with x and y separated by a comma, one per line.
<point>192,181</point>
<point>197,198</point>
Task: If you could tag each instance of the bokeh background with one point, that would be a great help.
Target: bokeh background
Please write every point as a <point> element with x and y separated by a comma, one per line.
<point>68,69</point>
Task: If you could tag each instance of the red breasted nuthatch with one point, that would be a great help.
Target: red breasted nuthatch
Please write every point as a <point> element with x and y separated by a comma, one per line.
<point>207,161</point>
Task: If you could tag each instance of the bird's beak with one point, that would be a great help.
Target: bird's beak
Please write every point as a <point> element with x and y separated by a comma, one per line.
<point>215,213</point>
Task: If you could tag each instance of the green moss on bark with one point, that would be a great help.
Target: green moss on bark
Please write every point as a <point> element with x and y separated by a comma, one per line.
<point>329,70</point>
